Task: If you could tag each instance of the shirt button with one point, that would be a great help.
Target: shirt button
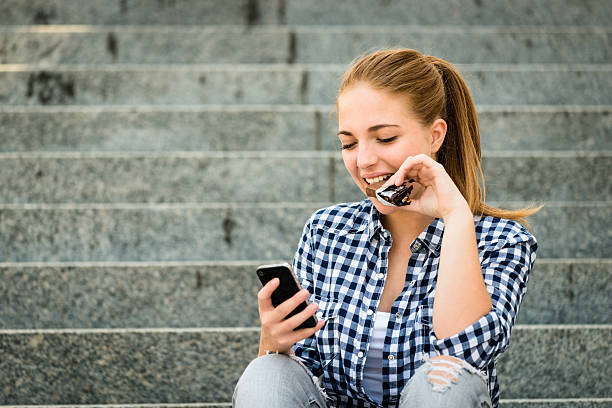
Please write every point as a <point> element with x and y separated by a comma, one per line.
<point>380,276</point>
<point>411,284</point>
<point>391,357</point>
<point>417,246</point>
<point>370,312</point>
<point>398,315</point>
<point>360,354</point>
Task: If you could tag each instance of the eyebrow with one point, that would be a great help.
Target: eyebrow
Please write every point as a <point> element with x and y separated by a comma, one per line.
<point>371,129</point>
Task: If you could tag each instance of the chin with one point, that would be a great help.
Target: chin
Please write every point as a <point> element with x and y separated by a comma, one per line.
<point>383,209</point>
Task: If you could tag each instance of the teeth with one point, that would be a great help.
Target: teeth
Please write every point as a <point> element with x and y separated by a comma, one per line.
<point>377,179</point>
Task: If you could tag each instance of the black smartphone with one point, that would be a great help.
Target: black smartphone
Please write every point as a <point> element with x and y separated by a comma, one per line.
<point>288,287</point>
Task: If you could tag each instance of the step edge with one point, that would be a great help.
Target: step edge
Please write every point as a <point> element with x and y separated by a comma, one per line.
<point>270,108</point>
<point>180,330</point>
<point>258,205</point>
<point>237,263</point>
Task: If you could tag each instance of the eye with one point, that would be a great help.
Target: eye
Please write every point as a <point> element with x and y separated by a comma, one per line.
<point>387,140</point>
<point>348,145</point>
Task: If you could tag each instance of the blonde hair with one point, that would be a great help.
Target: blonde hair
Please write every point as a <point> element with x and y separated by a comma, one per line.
<point>435,90</point>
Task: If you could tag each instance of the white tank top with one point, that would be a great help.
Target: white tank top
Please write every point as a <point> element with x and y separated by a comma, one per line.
<point>372,372</point>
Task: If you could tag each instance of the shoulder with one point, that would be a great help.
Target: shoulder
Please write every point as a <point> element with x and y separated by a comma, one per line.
<point>340,217</point>
<point>494,232</point>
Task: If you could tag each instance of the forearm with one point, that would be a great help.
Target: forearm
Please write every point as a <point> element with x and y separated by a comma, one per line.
<point>461,296</point>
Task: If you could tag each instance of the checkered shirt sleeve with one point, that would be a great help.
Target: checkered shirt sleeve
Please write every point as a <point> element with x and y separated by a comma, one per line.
<point>507,253</point>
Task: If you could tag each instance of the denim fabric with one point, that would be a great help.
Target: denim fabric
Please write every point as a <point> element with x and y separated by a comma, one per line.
<point>277,381</point>
<point>280,381</point>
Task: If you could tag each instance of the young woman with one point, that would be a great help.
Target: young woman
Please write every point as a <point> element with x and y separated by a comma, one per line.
<point>415,303</point>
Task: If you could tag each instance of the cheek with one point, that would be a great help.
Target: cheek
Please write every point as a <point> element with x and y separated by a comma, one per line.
<point>350,162</point>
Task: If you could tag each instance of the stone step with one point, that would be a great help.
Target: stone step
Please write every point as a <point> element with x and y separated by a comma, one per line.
<point>230,232</point>
<point>145,12</point>
<point>123,366</point>
<point>308,12</point>
<point>250,177</point>
<point>555,403</point>
<point>239,44</point>
<point>280,84</point>
<point>455,12</point>
<point>206,128</point>
<point>188,294</point>
<point>503,403</point>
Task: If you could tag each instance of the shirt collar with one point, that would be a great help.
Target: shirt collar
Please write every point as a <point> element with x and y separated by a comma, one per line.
<point>430,238</point>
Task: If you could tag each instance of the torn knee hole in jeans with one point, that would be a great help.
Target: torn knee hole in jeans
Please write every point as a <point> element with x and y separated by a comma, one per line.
<point>444,370</point>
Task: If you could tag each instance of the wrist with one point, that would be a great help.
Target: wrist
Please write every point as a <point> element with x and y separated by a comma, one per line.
<point>460,212</point>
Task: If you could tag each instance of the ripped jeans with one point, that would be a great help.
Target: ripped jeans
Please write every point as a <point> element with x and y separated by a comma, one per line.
<point>280,381</point>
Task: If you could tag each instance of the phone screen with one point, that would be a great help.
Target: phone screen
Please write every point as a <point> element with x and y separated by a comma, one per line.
<point>288,287</point>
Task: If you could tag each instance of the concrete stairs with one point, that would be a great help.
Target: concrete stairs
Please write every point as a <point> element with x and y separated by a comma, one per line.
<point>153,153</point>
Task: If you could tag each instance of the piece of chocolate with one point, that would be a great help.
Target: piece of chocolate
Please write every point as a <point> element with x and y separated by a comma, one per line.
<point>371,189</point>
<point>398,196</point>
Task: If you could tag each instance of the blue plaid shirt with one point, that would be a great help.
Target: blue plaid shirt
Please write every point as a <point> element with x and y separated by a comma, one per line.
<point>342,260</point>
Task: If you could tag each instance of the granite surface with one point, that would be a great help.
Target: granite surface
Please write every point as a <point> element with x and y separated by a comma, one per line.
<point>271,177</point>
<point>146,45</point>
<point>532,177</point>
<point>153,86</point>
<point>132,296</point>
<point>305,12</point>
<point>502,85</point>
<point>557,362</point>
<point>568,292</point>
<point>170,366</point>
<point>145,12</point>
<point>459,45</point>
<point>558,403</point>
<point>455,12</point>
<point>288,128</point>
<point>282,84</point>
<point>522,128</point>
<point>178,178</point>
<point>189,45</point>
<point>230,232</point>
<point>163,129</point>
<point>225,295</point>
<point>123,366</point>
<point>137,233</point>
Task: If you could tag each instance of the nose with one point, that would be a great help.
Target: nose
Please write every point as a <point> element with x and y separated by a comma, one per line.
<point>366,157</point>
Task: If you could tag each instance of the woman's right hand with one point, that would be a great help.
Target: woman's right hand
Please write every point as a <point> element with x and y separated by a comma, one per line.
<point>277,334</point>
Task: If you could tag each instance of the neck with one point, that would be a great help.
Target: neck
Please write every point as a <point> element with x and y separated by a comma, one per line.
<point>405,226</point>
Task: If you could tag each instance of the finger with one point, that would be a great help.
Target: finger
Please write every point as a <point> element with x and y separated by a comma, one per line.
<point>299,318</point>
<point>264,296</point>
<point>288,305</point>
<point>302,334</point>
<point>409,168</point>
<point>413,166</point>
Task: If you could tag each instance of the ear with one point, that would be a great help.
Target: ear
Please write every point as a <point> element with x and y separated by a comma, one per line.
<point>438,133</point>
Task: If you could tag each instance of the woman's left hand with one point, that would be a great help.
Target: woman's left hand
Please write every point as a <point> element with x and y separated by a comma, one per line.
<point>440,198</point>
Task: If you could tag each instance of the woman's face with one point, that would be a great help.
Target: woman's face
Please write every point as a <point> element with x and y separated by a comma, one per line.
<point>378,132</point>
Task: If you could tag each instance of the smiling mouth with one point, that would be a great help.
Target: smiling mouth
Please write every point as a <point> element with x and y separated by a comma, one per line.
<point>378,179</point>
<point>375,183</point>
